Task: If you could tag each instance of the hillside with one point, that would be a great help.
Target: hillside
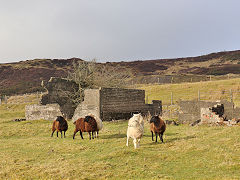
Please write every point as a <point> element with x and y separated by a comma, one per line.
<point>209,90</point>
<point>26,76</point>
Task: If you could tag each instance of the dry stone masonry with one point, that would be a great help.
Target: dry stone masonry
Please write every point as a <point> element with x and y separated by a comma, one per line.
<point>60,91</point>
<point>205,112</point>
<point>46,112</point>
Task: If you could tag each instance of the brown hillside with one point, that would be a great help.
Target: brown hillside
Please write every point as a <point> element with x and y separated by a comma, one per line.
<point>26,76</point>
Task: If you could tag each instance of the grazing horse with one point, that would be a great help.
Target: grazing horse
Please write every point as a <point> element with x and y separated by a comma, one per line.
<point>60,124</point>
<point>87,124</point>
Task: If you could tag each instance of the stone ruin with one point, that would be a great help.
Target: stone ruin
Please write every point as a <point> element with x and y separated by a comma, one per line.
<point>206,112</point>
<point>46,112</point>
<point>115,103</point>
<point>215,116</point>
<point>60,91</point>
<point>106,103</point>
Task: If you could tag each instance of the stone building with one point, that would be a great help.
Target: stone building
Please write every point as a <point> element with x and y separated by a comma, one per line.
<point>106,103</point>
<point>115,103</point>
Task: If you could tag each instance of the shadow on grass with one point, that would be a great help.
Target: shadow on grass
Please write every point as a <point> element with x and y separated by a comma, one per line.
<point>180,138</point>
<point>168,134</point>
<point>113,136</point>
<point>152,143</point>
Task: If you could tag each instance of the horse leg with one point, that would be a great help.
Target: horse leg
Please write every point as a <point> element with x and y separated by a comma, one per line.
<point>156,136</point>
<point>135,143</point>
<point>138,142</point>
<point>89,135</point>
<point>74,133</point>
<point>127,140</point>
<point>161,137</point>
<point>52,133</point>
<point>57,133</point>
<point>92,135</point>
<point>81,134</point>
<point>61,133</point>
<point>152,136</point>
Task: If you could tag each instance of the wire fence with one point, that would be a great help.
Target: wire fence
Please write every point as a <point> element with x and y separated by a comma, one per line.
<point>171,106</point>
<point>173,79</point>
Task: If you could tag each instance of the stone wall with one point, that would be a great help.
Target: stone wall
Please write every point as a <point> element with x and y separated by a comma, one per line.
<point>117,103</point>
<point>121,103</point>
<point>190,111</point>
<point>114,103</point>
<point>46,112</point>
<point>90,105</point>
<point>208,117</point>
<point>62,92</point>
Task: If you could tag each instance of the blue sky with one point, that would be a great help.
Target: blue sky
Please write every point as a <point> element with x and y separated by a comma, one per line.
<point>117,30</point>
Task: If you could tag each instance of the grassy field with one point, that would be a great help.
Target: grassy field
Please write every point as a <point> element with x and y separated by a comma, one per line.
<point>28,152</point>
<point>209,90</point>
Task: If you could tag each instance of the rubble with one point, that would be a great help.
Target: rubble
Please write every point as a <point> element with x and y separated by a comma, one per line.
<point>169,122</point>
<point>215,116</point>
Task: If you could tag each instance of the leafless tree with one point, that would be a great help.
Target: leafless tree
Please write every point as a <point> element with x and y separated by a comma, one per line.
<point>89,74</point>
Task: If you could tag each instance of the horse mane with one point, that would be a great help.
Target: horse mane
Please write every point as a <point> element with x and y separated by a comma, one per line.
<point>60,119</point>
<point>155,119</point>
<point>87,118</point>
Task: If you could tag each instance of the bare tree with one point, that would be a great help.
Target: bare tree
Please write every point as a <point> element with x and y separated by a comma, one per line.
<point>111,76</point>
<point>89,74</point>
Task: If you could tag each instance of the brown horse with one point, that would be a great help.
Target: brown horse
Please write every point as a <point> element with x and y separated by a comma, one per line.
<point>157,126</point>
<point>60,124</point>
<point>87,124</point>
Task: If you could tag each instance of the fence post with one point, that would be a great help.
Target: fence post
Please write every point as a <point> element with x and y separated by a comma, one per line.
<point>0,101</point>
<point>198,95</point>
<point>5,99</point>
<point>171,98</point>
<point>210,78</point>
<point>172,80</point>
<point>231,95</point>
<point>158,80</point>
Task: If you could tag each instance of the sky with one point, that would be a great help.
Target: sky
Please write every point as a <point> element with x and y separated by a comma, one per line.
<point>117,30</point>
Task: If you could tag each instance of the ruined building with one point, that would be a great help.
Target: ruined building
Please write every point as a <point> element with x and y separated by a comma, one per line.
<point>115,103</point>
<point>61,91</point>
<point>207,111</point>
<point>106,103</point>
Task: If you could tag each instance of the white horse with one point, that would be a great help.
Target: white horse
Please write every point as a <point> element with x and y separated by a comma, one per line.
<point>135,129</point>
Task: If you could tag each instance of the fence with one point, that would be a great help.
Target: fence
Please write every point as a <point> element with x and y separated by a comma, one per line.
<point>168,79</point>
<point>22,99</point>
<point>170,102</point>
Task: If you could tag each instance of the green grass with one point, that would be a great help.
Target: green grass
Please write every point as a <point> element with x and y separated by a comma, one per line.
<point>209,90</point>
<point>28,152</point>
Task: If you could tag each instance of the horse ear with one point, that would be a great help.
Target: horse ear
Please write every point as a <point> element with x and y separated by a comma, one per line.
<point>64,115</point>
